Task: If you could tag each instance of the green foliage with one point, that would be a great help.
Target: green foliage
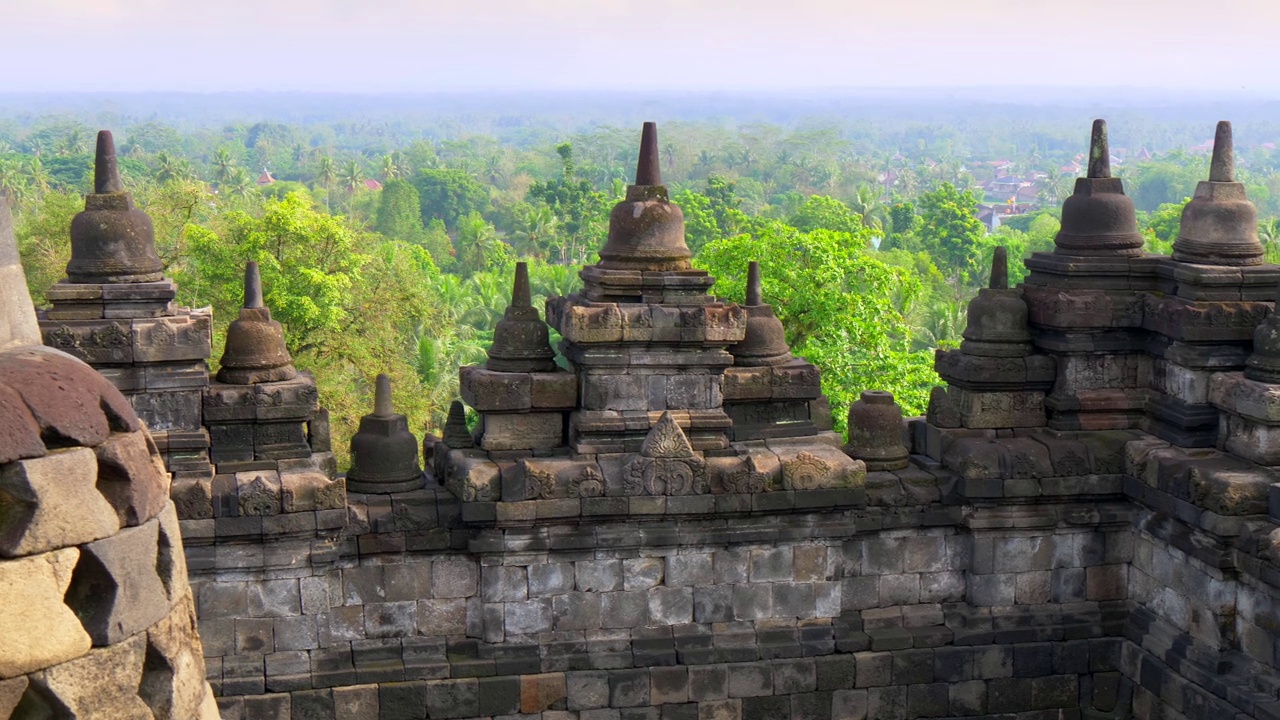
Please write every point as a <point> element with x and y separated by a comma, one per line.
<point>399,211</point>
<point>840,305</point>
<point>950,230</point>
<point>1161,227</point>
<point>581,210</point>
<point>449,195</point>
<point>820,212</point>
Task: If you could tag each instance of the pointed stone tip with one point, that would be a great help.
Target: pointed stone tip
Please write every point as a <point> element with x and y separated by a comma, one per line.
<point>106,173</point>
<point>1000,269</point>
<point>252,286</point>
<point>1223,167</point>
<point>1099,151</point>
<point>382,396</point>
<point>648,171</point>
<point>521,295</point>
<point>755,292</point>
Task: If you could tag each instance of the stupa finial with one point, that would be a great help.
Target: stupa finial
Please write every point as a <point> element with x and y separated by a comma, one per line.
<point>106,173</point>
<point>521,296</point>
<point>252,285</point>
<point>1099,151</point>
<point>1223,167</point>
<point>382,396</point>
<point>648,170</point>
<point>755,293</point>
<point>999,269</point>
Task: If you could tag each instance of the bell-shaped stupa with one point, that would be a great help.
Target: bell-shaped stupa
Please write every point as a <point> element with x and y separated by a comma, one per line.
<point>766,340</point>
<point>646,230</point>
<point>997,324</point>
<point>112,241</point>
<point>384,453</point>
<point>520,341</point>
<point>1220,225</point>
<point>1098,219</point>
<point>255,350</point>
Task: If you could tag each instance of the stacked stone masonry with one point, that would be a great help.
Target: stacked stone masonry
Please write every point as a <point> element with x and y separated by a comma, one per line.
<point>1085,525</point>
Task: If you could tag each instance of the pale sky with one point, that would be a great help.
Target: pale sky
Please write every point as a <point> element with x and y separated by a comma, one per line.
<point>424,45</point>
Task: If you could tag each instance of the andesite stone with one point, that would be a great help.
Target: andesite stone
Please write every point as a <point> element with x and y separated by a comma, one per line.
<point>1220,225</point>
<point>875,432</point>
<point>18,324</point>
<point>456,434</point>
<point>384,453</point>
<point>997,324</point>
<point>646,230</point>
<point>255,351</point>
<point>112,241</point>
<point>521,342</point>
<point>765,342</point>
<point>1099,219</point>
<point>1263,364</point>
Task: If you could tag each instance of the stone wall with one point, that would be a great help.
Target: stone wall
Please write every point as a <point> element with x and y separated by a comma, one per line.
<point>922,594</point>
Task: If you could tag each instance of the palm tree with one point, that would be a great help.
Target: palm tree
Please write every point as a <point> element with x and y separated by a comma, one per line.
<point>352,177</point>
<point>239,183</point>
<point>535,230</point>
<point>39,176</point>
<point>224,166</point>
<point>170,168</point>
<point>326,175</point>
<point>477,242</point>
<point>391,166</point>
<point>13,181</point>
<point>866,202</point>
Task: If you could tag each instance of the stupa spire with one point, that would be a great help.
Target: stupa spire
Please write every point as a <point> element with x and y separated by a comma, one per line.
<point>1099,151</point>
<point>384,453</point>
<point>252,286</point>
<point>382,396</point>
<point>765,340</point>
<point>106,172</point>
<point>1223,166</point>
<point>18,324</point>
<point>521,296</point>
<point>999,269</point>
<point>755,293</point>
<point>648,169</point>
<point>255,351</point>
<point>521,342</point>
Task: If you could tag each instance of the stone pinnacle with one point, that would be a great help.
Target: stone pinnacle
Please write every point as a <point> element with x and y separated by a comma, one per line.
<point>648,171</point>
<point>1223,167</point>
<point>382,397</point>
<point>252,286</point>
<point>521,296</point>
<point>755,294</point>
<point>999,269</point>
<point>18,324</point>
<point>106,173</point>
<point>1099,151</point>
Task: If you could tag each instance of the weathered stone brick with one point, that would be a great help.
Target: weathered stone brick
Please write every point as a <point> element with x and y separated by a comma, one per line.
<point>454,578</point>
<point>629,688</point>
<point>874,669</point>
<point>624,609</point>
<point>794,675</point>
<point>708,682</point>
<point>691,569</point>
<point>524,618</point>
<point>668,685</point>
<point>752,602</point>
<point>550,579</point>
<point>771,565</point>
<point>750,680</point>
<point>670,605</point>
<point>851,704</point>
<point>587,690</point>
<point>598,575</point>
<point>503,583</point>
<point>713,604</point>
<point>576,611</point>
<point>642,573</point>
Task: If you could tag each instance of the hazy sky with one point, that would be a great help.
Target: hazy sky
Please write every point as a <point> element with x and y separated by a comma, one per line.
<point>423,45</point>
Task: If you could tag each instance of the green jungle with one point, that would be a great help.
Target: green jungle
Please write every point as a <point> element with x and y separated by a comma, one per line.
<point>387,244</point>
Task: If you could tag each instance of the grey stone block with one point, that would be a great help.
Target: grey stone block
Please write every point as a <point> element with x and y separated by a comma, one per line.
<point>402,700</point>
<point>925,701</point>
<point>598,575</point>
<point>642,573</point>
<point>791,599</point>
<point>624,609</point>
<point>503,583</point>
<point>454,578</point>
<point>992,590</point>
<point>550,579</point>
<point>453,698</point>
<point>708,682</point>
<point>392,619</point>
<point>713,604</point>
<point>668,685</point>
<point>691,569</point>
<point>884,703</point>
<point>670,606</point>
<point>967,698</point>
<point>531,616</point>
<point>629,688</point>
<point>115,589</point>
<point>765,708</point>
<point>442,617</point>
<point>794,675</point>
<point>587,690</point>
<point>874,669</point>
<point>750,680</point>
<point>771,565</point>
<point>274,598</point>
<point>850,704</point>
<point>731,565</point>
<point>752,602</point>
<point>576,611</point>
<point>498,695</point>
